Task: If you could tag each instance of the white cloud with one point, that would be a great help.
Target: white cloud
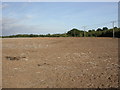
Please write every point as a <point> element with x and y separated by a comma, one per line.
<point>12,26</point>
<point>3,5</point>
<point>29,16</point>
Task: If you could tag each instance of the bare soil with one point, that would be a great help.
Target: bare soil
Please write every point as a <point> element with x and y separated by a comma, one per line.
<point>60,62</point>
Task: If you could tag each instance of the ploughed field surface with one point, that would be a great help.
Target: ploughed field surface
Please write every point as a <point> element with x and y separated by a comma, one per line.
<point>60,62</point>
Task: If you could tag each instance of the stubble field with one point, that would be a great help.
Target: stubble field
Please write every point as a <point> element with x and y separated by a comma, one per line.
<point>60,62</point>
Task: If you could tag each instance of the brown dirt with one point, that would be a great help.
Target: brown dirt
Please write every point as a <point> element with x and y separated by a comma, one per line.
<point>60,63</point>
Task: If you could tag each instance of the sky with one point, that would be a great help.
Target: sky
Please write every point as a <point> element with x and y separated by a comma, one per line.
<point>56,17</point>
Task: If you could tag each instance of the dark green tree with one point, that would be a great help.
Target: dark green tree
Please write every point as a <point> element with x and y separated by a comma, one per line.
<point>105,28</point>
<point>74,33</point>
<point>99,29</point>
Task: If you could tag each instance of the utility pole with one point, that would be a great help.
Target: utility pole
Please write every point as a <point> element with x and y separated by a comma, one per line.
<point>84,30</point>
<point>113,22</point>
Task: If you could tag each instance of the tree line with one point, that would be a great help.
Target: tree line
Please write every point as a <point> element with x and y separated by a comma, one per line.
<point>104,32</point>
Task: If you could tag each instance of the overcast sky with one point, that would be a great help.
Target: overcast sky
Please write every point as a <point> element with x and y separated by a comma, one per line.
<point>59,17</point>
